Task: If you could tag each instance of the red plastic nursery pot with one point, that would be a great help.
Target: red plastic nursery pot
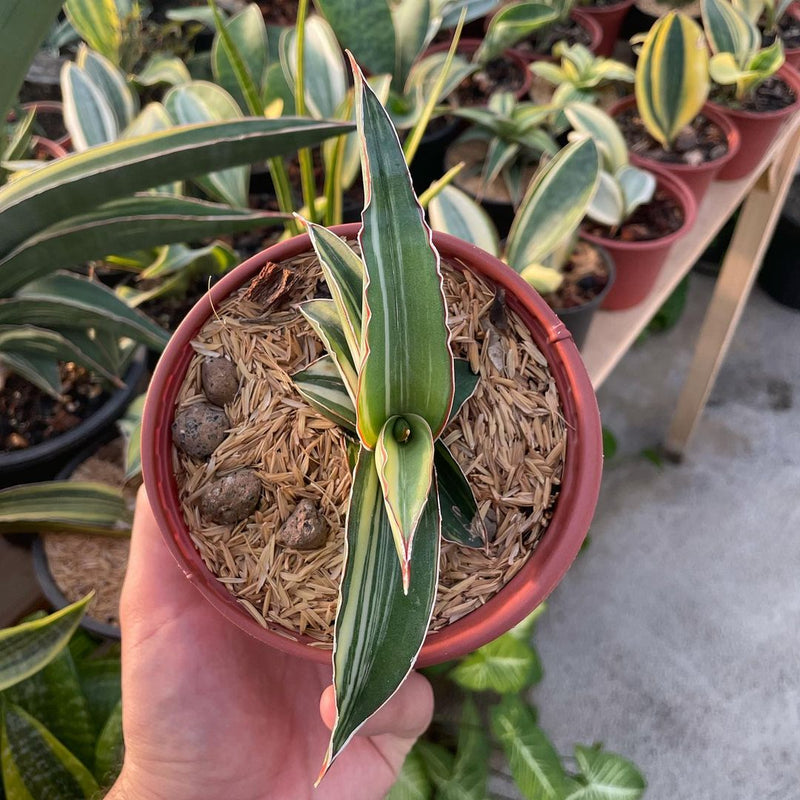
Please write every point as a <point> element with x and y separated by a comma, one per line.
<point>554,553</point>
<point>588,23</point>
<point>698,178</point>
<point>610,19</point>
<point>757,129</point>
<point>638,264</point>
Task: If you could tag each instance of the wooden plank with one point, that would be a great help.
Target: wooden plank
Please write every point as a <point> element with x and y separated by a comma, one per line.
<point>613,332</point>
<point>739,269</point>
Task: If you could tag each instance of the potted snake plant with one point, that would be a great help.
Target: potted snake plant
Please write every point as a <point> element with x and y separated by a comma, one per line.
<point>668,122</point>
<point>385,386</point>
<point>752,85</point>
<point>636,214</point>
<point>776,20</point>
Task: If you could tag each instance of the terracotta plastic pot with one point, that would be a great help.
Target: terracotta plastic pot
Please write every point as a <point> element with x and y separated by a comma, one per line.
<point>639,263</point>
<point>757,129</point>
<point>553,555</point>
<point>578,319</point>
<point>610,19</point>
<point>587,22</point>
<point>698,178</point>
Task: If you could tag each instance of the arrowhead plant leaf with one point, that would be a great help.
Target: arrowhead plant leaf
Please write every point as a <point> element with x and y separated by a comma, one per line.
<point>379,629</point>
<point>404,460</point>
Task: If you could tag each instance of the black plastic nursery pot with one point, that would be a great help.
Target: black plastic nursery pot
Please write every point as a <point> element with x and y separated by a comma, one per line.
<point>42,461</point>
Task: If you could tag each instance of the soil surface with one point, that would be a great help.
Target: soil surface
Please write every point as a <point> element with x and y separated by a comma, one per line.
<point>28,416</point>
<point>499,75</point>
<point>278,12</point>
<point>603,3</point>
<point>698,143</point>
<point>654,220</point>
<point>772,95</point>
<point>788,30</point>
<point>585,276</point>
<point>541,43</point>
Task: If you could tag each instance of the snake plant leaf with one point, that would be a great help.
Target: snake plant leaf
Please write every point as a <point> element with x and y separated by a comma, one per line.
<point>461,523</point>
<point>412,782</point>
<point>379,630</point>
<point>534,762</point>
<point>201,101</point>
<point>141,221</point>
<point>19,137</point>
<point>163,69</point>
<point>671,76</point>
<point>466,382</point>
<point>239,55</point>
<point>21,32</point>
<point>88,115</point>
<point>101,685</point>
<point>498,155</point>
<point>456,213</point>
<point>753,9</point>
<point>53,696</point>
<point>80,182</point>
<point>98,23</point>
<point>344,274</point>
<point>728,30</point>
<point>68,506</point>
<point>151,119</point>
<point>324,319</point>
<point>554,204</point>
<point>321,385</point>
<point>637,185</point>
<point>404,460</point>
<point>35,764</point>
<point>512,24</point>
<point>42,371</point>
<point>325,72</point>
<point>451,11</point>
<point>607,776</point>
<point>110,749</point>
<point>366,29</point>
<point>110,80</point>
<point>213,259</point>
<point>404,315</point>
<point>507,665</point>
<point>608,202</point>
<point>543,278</point>
<point>30,342</point>
<point>594,122</point>
<point>130,426</point>
<point>762,65</point>
<point>411,21</point>
<point>63,301</point>
<point>27,648</point>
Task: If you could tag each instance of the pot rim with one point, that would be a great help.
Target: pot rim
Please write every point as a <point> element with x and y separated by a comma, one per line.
<point>708,110</point>
<point>791,77</point>
<point>555,551</point>
<point>680,192</point>
<point>602,11</point>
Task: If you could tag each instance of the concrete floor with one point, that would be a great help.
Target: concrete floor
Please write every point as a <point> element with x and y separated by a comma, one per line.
<point>675,638</point>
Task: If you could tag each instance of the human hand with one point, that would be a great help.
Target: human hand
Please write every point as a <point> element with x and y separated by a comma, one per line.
<point>209,712</point>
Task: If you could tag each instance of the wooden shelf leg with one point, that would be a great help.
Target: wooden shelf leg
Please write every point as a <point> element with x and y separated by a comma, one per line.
<point>740,266</point>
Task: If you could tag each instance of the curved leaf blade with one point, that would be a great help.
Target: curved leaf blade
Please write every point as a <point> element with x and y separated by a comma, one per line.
<point>412,783</point>
<point>607,775</point>
<point>461,523</point>
<point>29,647</point>
<point>594,122</point>
<point>321,385</point>
<point>404,315</point>
<point>455,212</point>
<point>88,116</point>
<point>98,23</point>
<point>507,665</point>
<point>110,750</point>
<point>111,82</point>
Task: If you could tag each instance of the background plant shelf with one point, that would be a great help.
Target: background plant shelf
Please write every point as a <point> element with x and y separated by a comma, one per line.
<point>612,333</point>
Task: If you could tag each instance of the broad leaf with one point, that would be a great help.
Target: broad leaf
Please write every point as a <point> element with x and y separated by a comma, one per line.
<point>594,122</point>
<point>70,506</point>
<point>27,648</point>
<point>98,23</point>
<point>534,763</point>
<point>53,696</point>
<point>324,319</point>
<point>119,226</point>
<point>410,19</point>
<point>379,630</point>
<point>637,185</point>
<point>321,385</point>
<point>511,24</point>
<point>404,460</point>
<point>438,761</point>
<point>607,775</point>
<point>200,101</point>
<point>607,206</point>
<point>344,274</point>
<point>728,30</point>
<point>506,666</point>
<point>35,764</point>
<point>88,116</point>
<point>78,183</point>
<point>41,371</point>
<point>460,520</point>
<point>64,301</point>
<point>455,212</point>
<point>471,766</point>
<point>110,749</point>
<point>111,82</point>
<point>412,783</point>
<point>554,204</point>
<point>404,314</point>
<point>169,70</point>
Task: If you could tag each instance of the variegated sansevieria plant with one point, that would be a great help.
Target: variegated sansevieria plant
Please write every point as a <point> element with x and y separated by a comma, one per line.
<point>739,60</point>
<point>390,380</point>
<point>672,80</point>
<point>545,227</point>
<point>622,188</point>
<point>770,11</point>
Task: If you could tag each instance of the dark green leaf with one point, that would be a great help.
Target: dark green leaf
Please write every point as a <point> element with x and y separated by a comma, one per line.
<point>110,749</point>
<point>412,783</point>
<point>460,520</point>
<point>609,444</point>
<point>101,682</point>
